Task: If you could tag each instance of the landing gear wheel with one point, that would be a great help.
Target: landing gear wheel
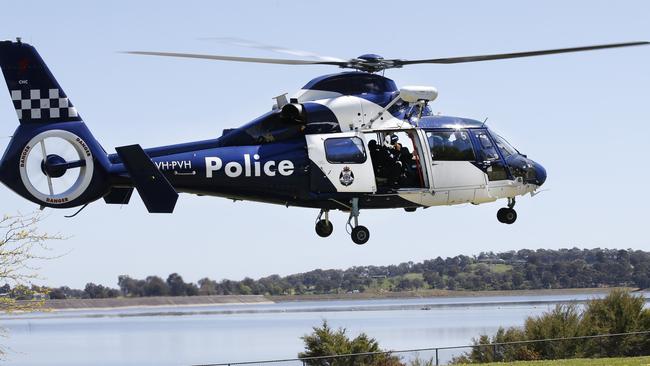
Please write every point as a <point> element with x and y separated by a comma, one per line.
<point>507,215</point>
<point>360,235</point>
<point>324,228</point>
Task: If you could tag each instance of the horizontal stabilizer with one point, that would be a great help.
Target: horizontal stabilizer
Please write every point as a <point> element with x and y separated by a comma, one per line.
<point>118,196</point>
<point>157,194</point>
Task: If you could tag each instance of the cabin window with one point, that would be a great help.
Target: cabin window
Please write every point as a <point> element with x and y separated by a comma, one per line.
<point>345,150</point>
<point>450,145</point>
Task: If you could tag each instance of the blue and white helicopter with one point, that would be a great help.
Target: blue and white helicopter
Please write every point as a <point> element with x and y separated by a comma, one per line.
<point>347,141</point>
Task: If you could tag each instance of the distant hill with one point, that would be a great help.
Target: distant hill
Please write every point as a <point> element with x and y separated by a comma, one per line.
<point>514,270</point>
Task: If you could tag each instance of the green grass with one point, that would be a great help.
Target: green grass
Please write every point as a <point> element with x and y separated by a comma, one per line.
<point>495,268</point>
<point>624,361</point>
<point>500,268</point>
<point>414,276</point>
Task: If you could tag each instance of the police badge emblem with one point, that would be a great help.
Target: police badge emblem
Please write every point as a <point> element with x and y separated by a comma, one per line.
<point>346,177</point>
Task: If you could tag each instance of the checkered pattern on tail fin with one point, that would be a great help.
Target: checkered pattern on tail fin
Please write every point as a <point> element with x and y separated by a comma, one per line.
<point>37,96</point>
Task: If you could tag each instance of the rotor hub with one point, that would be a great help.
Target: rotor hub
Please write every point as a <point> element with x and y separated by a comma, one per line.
<point>371,57</point>
<point>54,166</point>
<point>370,62</point>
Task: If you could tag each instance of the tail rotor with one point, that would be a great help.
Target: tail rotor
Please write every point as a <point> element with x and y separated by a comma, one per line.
<point>52,158</point>
<point>56,166</point>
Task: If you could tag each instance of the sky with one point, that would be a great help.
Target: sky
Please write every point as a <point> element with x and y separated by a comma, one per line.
<point>585,117</point>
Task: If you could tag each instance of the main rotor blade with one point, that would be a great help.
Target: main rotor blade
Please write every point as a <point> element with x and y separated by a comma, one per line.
<point>241,42</point>
<point>240,59</point>
<point>501,56</point>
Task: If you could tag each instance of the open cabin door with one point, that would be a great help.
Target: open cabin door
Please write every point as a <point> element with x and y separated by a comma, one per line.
<point>340,163</point>
<point>453,169</point>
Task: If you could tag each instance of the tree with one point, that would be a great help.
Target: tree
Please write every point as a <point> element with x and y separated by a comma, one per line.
<point>178,287</point>
<point>155,286</point>
<point>619,312</point>
<point>207,287</point>
<point>130,287</point>
<point>94,291</point>
<point>21,244</point>
<point>561,322</point>
<point>325,341</point>
<point>433,279</point>
<point>57,294</point>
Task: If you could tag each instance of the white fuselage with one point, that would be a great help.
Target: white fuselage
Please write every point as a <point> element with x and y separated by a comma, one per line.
<point>441,182</point>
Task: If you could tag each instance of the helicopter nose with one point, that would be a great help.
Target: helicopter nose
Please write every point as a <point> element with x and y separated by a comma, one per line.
<point>540,174</point>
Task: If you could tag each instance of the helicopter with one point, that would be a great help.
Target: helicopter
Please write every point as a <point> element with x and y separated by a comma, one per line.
<point>347,141</point>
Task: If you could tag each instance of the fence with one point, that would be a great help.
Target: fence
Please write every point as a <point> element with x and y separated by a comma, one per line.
<point>433,351</point>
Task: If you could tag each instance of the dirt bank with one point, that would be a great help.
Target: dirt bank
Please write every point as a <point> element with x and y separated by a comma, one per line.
<point>154,301</point>
<point>80,304</point>
<point>439,293</point>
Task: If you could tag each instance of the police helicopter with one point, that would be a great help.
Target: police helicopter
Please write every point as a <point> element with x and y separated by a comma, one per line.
<point>347,141</point>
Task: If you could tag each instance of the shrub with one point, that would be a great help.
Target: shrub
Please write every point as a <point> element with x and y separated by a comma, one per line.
<point>325,341</point>
<point>619,312</point>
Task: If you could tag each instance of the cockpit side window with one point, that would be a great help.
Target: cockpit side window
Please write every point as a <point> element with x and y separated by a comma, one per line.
<point>494,167</point>
<point>450,145</point>
<point>488,151</point>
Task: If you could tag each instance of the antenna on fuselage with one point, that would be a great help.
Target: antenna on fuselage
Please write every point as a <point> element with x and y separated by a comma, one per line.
<point>483,125</point>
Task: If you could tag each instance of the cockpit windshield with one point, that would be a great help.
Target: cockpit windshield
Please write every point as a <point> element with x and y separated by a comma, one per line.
<point>503,145</point>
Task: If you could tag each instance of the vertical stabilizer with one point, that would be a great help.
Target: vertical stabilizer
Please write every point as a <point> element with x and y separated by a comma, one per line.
<point>36,95</point>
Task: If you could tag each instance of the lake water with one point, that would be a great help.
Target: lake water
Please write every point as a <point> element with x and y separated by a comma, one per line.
<point>230,333</point>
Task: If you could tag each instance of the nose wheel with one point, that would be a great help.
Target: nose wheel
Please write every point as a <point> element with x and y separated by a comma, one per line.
<point>507,215</point>
<point>360,234</point>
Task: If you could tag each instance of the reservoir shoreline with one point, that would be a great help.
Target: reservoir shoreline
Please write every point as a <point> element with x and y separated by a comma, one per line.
<point>215,300</point>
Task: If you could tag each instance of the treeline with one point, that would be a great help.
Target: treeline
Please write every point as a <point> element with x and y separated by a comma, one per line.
<point>618,313</point>
<point>514,270</point>
<point>129,287</point>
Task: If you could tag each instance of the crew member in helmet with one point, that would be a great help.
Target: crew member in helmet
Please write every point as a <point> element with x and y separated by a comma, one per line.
<point>377,158</point>
<point>396,170</point>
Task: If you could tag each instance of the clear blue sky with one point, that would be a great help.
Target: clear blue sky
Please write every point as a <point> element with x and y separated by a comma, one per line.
<point>584,116</point>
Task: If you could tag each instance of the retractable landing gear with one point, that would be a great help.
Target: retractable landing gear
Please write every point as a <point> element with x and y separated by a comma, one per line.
<point>324,227</point>
<point>360,234</point>
<point>508,215</point>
